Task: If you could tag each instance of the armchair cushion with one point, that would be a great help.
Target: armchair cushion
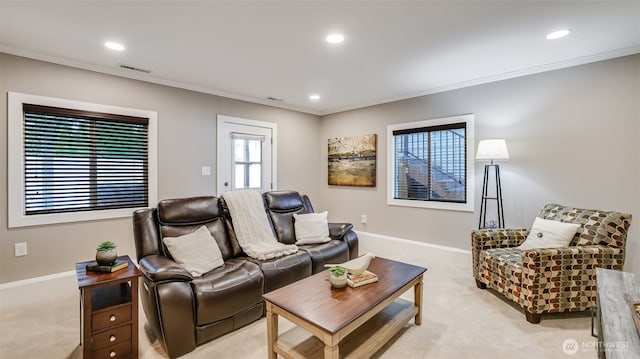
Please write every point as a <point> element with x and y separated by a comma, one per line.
<point>546,233</point>
<point>608,228</point>
<point>197,251</point>
<point>227,291</point>
<point>502,269</point>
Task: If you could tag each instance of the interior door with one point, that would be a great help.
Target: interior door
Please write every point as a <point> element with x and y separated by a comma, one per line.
<point>245,155</point>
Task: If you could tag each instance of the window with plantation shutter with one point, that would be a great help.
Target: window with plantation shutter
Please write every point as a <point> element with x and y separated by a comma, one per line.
<point>430,163</point>
<point>80,161</point>
<point>72,161</point>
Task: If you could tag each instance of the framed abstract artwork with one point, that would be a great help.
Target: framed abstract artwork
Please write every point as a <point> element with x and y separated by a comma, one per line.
<point>352,161</point>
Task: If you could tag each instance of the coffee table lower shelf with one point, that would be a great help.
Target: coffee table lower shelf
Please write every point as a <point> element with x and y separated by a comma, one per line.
<point>362,342</point>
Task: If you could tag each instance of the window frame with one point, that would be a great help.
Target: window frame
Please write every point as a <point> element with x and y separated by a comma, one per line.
<point>467,206</point>
<point>247,162</point>
<point>16,157</point>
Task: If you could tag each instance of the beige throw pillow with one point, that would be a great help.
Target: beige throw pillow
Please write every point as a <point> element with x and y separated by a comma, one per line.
<point>197,251</point>
<point>546,233</point>
<point>311,228</point>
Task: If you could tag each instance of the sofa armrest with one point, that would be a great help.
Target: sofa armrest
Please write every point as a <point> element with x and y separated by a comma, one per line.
<point>548,273</point>
<point>482,239</point>
<point>338,230</point>
<point>159,268</point>
<point>344,232</point>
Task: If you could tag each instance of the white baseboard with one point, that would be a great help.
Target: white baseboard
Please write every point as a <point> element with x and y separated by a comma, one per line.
<point>365,235</point>
<point>43,278</point>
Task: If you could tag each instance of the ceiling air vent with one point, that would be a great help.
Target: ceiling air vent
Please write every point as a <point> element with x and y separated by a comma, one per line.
<point>275,99</point>
<point>135,69</point>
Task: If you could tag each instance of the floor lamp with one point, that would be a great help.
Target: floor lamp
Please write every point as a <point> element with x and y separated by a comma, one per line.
<point>491,150</point>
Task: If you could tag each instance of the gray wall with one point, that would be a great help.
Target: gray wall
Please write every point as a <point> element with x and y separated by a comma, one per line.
<point>186,141</point>
<point>573,137</point>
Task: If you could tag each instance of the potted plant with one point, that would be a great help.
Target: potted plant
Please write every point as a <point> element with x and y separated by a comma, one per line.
<point>338,276</point>
<point>106,253</point>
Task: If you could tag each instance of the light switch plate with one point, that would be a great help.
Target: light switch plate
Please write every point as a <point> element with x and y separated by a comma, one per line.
<point>20,249</point>
<point>206,171</point>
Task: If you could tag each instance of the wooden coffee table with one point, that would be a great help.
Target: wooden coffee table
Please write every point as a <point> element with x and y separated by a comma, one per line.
<point>346,322</point>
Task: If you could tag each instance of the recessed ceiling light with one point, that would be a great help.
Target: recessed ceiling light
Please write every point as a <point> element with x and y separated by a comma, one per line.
<point>558,34</point>
<point>335,38</point>
<point>314,97</point>
<point>114,46</point>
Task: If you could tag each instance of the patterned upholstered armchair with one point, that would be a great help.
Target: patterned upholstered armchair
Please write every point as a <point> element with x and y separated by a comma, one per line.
<point>551,280</point>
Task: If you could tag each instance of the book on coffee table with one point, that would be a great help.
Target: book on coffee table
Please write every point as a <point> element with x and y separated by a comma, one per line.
<point>116,266</point>
<point>366,277</point>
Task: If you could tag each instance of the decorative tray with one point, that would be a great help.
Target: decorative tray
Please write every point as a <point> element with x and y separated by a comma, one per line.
<point>635,312</point>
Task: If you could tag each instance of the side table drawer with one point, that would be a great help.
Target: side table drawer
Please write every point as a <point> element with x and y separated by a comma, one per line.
<point>111,317</point>
<point>122,350</point>
<point>111,336</point>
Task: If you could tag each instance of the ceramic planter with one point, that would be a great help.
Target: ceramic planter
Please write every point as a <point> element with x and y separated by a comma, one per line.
<point>105,258</point>
<point>338,281</point>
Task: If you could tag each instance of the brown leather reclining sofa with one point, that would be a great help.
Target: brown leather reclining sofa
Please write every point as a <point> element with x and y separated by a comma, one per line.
<point>183,311</point>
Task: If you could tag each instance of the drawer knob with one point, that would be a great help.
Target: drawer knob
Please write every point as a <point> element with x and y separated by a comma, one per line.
<point>112,318</point>
<point>112,338</point>
<point>112,354</point>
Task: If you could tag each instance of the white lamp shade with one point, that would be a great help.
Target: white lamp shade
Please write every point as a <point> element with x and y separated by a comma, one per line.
<point>492,150</point>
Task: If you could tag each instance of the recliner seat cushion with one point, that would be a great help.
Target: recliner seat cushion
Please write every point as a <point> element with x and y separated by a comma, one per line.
<point>227,291</point>
<point>332,252</point>
<point>284,270</point>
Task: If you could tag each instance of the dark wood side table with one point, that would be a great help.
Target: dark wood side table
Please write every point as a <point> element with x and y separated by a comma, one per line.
<point>108,311</point>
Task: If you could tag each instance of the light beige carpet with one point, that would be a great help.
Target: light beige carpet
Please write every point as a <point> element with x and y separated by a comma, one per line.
<point>459,321</point>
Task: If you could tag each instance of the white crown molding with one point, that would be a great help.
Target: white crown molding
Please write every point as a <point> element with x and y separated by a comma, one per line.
<point>447,87</point>
<point>149,78</point>
<point>494,78</point>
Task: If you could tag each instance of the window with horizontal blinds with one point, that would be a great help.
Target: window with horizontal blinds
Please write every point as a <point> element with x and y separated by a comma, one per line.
<point>76,160</point>
<point>429,163</point>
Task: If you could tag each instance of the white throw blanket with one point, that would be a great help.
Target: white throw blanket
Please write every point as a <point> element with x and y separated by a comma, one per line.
<point>252,227</point>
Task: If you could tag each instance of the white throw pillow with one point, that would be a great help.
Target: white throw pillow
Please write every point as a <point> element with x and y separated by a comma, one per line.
<point>546,233</point>
<point>311,228</point>
<point>197,251</point>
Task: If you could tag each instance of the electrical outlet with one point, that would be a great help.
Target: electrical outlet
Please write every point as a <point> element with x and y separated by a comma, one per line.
<point>363,218</point>
<point>206,171</point>
<point>20,249</point>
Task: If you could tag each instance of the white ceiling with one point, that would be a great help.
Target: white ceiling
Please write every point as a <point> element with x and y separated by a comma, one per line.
<point>254,50</point>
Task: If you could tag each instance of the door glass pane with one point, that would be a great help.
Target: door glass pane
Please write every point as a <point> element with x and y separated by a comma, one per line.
<point>239,179</point>
<point>255,150</point>
<point>255,175</point>
<point>238,150</point>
